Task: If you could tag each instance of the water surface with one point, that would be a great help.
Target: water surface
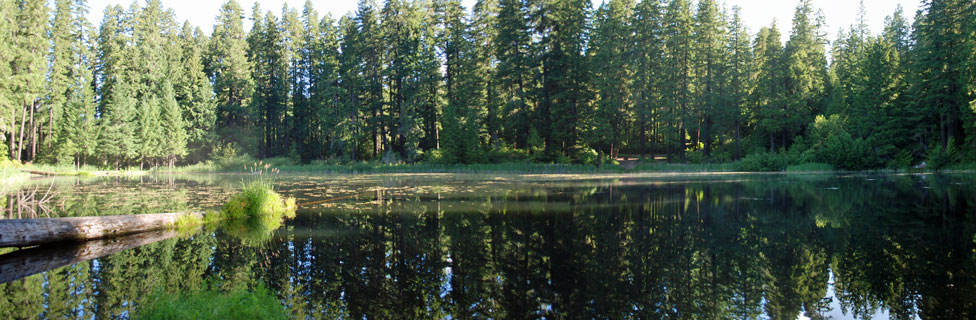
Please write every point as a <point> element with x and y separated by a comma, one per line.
<point>508,246</point>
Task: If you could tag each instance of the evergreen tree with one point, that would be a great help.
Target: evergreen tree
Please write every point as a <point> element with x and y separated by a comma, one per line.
<point>515,73</point>
<point>806,65</point>
<point>194,93</point>
<point>28,75</point>
<point>7,109</point>
<point>172,125</point>
<point>739,78</point>
<point>334,129</point>
<point>648,62</point>
<point>230,72</point>
<point>307,138</point>
<point>678,77</point>
<point>709,36</point>
<point>611,45</point>
<point>116,142</point>
<point>564,95</point>
<point>768,99</point>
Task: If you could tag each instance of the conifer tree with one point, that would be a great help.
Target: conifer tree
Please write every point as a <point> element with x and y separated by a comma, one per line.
<point>28,75</point>
<point>194,93</point>
<point>647,55</point>
<point>230,72</point>
<point>515,76</point>
<point>806,65</point>
<point>611,45</point>
<point>678,76</point>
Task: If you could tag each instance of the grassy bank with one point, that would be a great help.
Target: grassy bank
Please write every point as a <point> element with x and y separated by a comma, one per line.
<point>11,171</point>
<point>250,165</point>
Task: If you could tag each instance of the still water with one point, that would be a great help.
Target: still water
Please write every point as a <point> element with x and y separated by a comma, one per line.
<point>530,246</point>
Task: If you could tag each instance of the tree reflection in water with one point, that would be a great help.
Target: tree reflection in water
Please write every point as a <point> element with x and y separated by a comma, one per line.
<point>742,248</point>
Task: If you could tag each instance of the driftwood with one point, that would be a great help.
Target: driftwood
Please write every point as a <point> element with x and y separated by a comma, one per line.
<point>32,232</point>
<point>23,263</point>
<point>41,173</point>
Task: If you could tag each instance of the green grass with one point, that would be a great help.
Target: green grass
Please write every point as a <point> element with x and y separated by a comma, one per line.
<point>256,212</point>
<point>214,304</point>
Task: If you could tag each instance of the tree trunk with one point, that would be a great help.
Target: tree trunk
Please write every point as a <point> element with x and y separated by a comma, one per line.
<point>23,121</point>
<point>737,138</point>
<point>33,132</point>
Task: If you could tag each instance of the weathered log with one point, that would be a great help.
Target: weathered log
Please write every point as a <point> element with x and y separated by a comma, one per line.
<point>40,173</point>
<point>23,263</point>
<point>32,232</point>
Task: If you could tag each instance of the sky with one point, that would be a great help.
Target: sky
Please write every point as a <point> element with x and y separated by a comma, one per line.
<point>756,13</point>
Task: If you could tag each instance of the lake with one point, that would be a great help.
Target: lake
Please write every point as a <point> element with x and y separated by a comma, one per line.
<point>459,246</point>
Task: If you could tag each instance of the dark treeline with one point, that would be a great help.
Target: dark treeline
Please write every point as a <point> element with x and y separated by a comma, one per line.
<point>413,80</point>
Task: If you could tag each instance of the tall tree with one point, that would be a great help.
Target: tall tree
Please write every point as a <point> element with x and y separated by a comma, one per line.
<point>28,74</point>
<point>648,53</point>
<point>230,72</point>
<point>515,72</point>
<point>678,76</point>
<point>194,93</point>
<point>611,46</point>
<point>806,64</point>
<point>709,36</point>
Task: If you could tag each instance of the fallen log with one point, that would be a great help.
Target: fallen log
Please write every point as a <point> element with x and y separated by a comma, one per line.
<point>24,263</point>
<point>32,232</point>
<point>41,173</point>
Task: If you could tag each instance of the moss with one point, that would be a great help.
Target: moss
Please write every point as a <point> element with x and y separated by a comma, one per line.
<point>214,304</point>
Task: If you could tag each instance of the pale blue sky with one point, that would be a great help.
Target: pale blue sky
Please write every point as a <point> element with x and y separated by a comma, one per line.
<point>756,13</point>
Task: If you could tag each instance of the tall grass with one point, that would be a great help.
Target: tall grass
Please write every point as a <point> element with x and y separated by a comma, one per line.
<point>213,303</point>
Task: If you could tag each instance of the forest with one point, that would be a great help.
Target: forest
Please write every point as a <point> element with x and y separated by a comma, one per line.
<point>506,80</point>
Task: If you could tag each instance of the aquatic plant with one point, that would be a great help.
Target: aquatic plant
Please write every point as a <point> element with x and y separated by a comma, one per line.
<point>213,303</point>
<point>254,213</point>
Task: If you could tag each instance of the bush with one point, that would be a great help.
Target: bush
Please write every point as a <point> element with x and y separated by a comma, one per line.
<point>763,162</point>
<point>938,157</point>
<point>214,304</point>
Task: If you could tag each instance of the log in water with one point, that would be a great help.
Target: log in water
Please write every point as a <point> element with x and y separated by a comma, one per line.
<point>32,232</point>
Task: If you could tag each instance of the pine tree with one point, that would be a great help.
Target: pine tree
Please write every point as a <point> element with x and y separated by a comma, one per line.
<point>194,93</point>
<point>806,65</point>
<point>565,94</point>
<point>230,72</point>
<point>269,58</point>
<point>7,103</point>
<point>678,76</point>
<point>767,101</point>
<point>739,78</point>
<point>28,70</point>
<point>334,130</point>
<point>647,55</point>
<point>709,35</point>
<point>611,45</point>
<point>306,110</point>
<point>116,142</point>
<point>173,128</point>
<point>70,89</point>
<point>370,48</point>
<point>351,85</point>
<point>515,73</point>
